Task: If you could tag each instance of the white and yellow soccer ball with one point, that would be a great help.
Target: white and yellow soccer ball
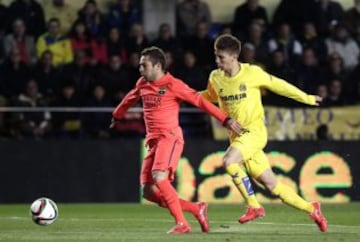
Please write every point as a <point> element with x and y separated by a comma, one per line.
<point>44,211</point>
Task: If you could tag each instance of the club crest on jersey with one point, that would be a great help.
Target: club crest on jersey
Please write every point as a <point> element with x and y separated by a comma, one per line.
<point>162,91</point>
<point>242,87</point>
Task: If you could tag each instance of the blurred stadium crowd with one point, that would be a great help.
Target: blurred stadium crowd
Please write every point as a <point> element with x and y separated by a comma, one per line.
<point>54,55</point>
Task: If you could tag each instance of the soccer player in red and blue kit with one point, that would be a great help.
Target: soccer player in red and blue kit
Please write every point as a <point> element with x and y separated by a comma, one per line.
<point>161,95</point>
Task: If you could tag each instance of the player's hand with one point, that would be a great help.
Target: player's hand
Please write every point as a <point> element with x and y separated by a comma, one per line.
<point>318,100</point>
<point>234,126</point>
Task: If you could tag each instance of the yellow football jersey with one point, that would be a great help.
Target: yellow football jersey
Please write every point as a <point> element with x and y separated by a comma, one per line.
<point>240,96</point>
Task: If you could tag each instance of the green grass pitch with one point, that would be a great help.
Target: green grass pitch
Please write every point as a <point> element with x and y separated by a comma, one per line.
<point>134,222</point>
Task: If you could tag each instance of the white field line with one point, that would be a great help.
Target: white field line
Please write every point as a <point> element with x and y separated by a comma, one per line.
<point>169,220</point>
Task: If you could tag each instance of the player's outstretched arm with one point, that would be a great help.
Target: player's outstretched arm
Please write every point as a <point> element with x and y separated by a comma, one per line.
<point>286,89</point>
<point>283,88</point>
<point>188,94</point>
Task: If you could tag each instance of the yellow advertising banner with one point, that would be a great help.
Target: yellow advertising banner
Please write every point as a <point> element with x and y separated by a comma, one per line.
<point>343,123</point>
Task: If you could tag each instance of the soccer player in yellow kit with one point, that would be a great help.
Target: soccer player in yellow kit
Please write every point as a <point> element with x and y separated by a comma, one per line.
<point>236,88</point>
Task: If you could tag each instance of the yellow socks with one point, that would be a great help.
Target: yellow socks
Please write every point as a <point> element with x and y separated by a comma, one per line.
<point>290,197</point>
<point>243,184</point>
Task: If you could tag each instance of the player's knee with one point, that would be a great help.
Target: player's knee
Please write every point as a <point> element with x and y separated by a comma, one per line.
<point>158,175</point>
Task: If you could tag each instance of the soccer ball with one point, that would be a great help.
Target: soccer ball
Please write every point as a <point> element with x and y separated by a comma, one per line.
<point>43,211</point>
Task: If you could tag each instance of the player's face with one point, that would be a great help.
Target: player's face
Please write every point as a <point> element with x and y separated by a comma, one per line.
<point>149,71</point>
<point>224,60</point>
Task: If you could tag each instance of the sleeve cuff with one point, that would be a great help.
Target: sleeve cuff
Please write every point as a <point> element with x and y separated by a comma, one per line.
<point>225,121</point>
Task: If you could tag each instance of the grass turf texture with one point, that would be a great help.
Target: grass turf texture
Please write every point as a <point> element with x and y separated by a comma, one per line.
<point>134,222</point>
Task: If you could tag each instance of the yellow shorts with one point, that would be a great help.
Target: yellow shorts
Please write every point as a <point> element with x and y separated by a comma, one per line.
<point>251,144</point>
<point>256,165</point>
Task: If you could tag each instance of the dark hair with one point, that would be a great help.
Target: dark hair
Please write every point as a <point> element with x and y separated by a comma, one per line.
<point>156,55</point>
<point>72,32</point>
<point>228,43</point>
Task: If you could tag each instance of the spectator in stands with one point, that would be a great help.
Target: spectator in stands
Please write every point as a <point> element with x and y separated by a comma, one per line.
<point>114,78</point>
<point>248,55</point>
<point>31,124</point>
<point>116,45</point>
<point>334,68</point>
<point>170,62</point>
<point>285,41</point>
<point>99,52</point>
<point>123,15</point>
<point>61,10</point>
<point>257,39</point>
<point>167,41</point>
<point>280,68</point>
<point>191,73</point>
<point>80,74</point>
<point>137,38</point>
<point>322,132</point>
<point>310,39</point>
<point>308,72</point>
<point>342,43</point>
<point>296,13</point>
<point>202,46</point>
<point>188,14</point>
<point>322,91</point>
<point>93,18</point>
<point>133,68</point>
<point>31,12</point>
<point>194,76</point>
<point>225,29</point>
<point>96,124</point>
<point>245,14</point>
<point>94,47</point>
<point>335,94</point>
<point>59,45</point>
<point>352,20</point>
<point>80,39</point>
<point>25,44</point>
<point>67,125</point>
<point>14,75</point>
<point>47,76</point>
<point>326,12</point>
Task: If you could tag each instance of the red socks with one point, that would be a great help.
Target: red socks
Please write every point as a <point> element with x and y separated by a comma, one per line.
<point>171,199</point>
<point>186,206</point>
<point>189,206</point>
